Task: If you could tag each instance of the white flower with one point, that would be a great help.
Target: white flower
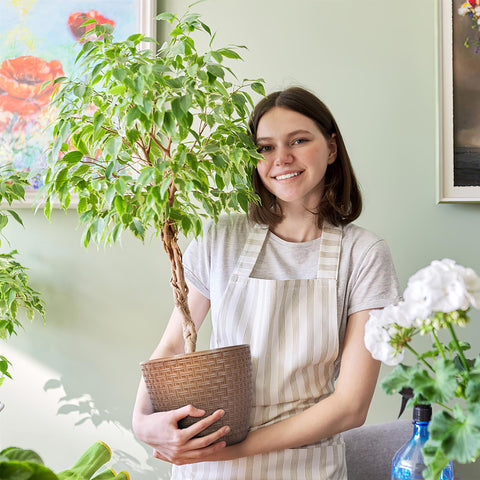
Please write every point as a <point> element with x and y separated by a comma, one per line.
<point>377,336</point>
<point>440,287</point>
<point>472,284</point>
<point>402,314</point>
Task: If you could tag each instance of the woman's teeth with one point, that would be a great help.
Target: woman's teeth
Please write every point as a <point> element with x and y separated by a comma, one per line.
<point>287,175</point>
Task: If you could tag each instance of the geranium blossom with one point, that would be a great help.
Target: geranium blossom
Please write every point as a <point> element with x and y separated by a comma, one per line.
<point>444,287</point>
<point>440,287</point>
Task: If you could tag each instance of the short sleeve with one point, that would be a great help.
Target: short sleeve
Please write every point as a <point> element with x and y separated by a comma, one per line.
<point>373,282</point>
<point>196,263</point>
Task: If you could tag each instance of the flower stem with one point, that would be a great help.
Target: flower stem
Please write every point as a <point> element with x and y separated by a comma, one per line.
<point>457,346</point>
<point>418,357</point>
<point>439,345</point>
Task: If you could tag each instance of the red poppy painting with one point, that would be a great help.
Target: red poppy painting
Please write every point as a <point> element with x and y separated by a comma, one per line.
<point>39,43</point>
<point>22,84</point>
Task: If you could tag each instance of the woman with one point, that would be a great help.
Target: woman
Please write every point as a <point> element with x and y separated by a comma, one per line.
<point>296,281</point>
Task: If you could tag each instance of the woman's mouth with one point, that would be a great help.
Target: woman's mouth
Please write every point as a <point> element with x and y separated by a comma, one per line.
<point>287,175</point>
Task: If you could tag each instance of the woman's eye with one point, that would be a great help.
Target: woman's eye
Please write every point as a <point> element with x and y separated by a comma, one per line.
<point>299,141</point>
<point>264,148</point>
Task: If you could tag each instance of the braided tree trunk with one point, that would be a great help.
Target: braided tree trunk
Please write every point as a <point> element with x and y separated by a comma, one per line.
<point>169,237</point>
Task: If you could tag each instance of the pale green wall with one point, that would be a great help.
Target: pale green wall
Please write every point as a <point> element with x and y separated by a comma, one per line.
<point>374,64</point>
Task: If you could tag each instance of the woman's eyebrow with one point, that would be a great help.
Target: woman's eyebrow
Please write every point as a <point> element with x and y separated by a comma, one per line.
<point>289,134</point>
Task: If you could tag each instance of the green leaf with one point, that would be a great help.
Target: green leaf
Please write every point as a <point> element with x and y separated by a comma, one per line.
<point>215,70</point>
<point>14,470</point>
<point>82,205</point>
<point>166,16</point>
<point>258,88</point>
<point>435,460</point>
<point>132,115</point>
<point>21,455</point>
<point>146,176</point>
<point>458,434</point>
<point>181,105</point>
<point>120,186</point>
<point>438,389</point>
<point>3,221</point>
<point>16,216</point>
<point>398,378</point>
<point>229,53</point>
<point>243,201</point>
<point>120,204</point>
<point>72,158</point>
<point>137,228</point>
<point>47,210</point>
<point>472,391</point>
<point>113,146</point>
<point>117,90</point>
<point>119,73</point>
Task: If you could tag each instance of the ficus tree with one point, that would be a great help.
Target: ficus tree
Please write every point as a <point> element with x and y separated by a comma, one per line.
<point>17,298</point>
<point>153,142</point>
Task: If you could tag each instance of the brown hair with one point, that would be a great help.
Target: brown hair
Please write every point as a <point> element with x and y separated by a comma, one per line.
<point>341,202</point>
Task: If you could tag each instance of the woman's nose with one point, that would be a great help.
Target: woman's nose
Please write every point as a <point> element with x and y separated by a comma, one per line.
<point>282,155</point>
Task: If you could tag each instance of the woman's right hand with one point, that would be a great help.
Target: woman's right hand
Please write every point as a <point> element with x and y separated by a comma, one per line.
<point>179,446</point>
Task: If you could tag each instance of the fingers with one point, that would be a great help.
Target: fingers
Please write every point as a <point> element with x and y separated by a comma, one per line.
<point>204,423</point>
<point>206,440</point>
<point>190,456</point>
<point>188,410</point>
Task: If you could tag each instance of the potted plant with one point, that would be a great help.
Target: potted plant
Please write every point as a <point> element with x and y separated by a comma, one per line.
<point>156,143</point>
<point>438,297</point>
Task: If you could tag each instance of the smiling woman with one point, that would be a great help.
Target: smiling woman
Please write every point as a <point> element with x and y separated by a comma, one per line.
<point>339,199</point>
<point>295,281</point>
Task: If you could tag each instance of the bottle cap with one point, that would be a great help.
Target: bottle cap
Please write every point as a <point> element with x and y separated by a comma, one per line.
<point>422,413</point>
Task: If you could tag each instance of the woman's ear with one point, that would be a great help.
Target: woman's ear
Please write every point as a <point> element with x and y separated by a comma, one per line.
<point>332,146</point>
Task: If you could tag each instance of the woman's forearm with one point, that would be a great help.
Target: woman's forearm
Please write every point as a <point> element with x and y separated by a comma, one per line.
<point>344,409</point>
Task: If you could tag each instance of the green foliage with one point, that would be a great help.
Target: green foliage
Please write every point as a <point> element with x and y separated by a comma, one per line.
<point>145,140</point>
<point>16,296</point>
<point>454,432</point>
<point>19,464</point>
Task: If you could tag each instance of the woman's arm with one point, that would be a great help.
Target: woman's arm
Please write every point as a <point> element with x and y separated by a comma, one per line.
<point>160,429</point>
<point>346,408</point>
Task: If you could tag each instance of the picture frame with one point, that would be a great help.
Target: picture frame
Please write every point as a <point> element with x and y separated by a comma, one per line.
<point>459,132</point>
<point>45,36</point>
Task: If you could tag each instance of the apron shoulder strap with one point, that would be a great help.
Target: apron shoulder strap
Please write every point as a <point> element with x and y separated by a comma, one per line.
<point>250,251</point>
<point>330,246</point>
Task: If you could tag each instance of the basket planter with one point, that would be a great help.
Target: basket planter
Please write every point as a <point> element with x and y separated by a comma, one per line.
<point>210,380</point>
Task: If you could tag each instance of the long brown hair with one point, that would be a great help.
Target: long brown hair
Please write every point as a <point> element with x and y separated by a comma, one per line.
<point>341,202</point>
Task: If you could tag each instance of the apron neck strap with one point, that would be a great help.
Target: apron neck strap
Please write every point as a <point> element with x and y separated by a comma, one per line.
<point>328,258</point>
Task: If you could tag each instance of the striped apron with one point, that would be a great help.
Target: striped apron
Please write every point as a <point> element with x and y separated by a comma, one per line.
<point>293,331</point>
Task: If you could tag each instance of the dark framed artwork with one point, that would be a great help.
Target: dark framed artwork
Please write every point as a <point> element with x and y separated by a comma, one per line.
<point>459,88</point>
<point>39,42</point>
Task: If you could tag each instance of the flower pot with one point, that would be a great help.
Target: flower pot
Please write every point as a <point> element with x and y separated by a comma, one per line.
<point>210,379</point>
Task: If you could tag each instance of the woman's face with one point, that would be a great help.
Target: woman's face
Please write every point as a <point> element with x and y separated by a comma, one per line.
<point>296,157</point>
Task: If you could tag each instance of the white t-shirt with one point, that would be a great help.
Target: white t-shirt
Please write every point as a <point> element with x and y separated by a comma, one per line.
<point>366,279</point>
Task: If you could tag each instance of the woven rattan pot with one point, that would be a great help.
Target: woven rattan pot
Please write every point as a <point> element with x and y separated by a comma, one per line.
<point>211,379</point>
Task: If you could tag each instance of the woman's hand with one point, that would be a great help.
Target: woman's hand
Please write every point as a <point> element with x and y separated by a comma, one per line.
<point>179,446</point>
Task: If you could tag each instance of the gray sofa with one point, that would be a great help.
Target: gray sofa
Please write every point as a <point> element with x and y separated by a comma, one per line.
<point>369,449</point>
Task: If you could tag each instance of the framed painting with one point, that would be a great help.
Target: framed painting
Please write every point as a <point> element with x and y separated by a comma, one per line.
<point>459,82</point>
<point>40,41</point>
